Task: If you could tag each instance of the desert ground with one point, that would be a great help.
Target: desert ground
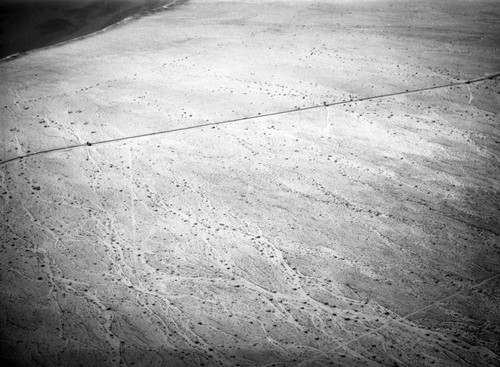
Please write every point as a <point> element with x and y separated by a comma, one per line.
<point>256,183</point>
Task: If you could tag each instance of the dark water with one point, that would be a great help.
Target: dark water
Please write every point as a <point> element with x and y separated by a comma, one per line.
<point>31,24</point>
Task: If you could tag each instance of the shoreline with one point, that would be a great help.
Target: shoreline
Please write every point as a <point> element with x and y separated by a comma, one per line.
<point>29,26</point>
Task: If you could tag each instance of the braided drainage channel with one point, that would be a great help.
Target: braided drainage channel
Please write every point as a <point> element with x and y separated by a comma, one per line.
<point>346,345</point>
<point>254,117</point>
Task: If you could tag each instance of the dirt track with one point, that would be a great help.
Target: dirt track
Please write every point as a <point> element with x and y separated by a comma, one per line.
<point>363,233</point>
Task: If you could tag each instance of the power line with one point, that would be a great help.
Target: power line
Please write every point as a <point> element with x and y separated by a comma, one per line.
<point>253,117</point>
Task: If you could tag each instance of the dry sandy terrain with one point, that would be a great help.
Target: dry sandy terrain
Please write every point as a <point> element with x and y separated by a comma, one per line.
<point>357,234</point>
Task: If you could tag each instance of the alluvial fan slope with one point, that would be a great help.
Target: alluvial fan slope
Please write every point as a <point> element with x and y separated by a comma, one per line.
<point>358,234</point>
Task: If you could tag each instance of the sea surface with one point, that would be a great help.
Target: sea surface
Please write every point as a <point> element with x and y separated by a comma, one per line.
<point>31,24</point>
